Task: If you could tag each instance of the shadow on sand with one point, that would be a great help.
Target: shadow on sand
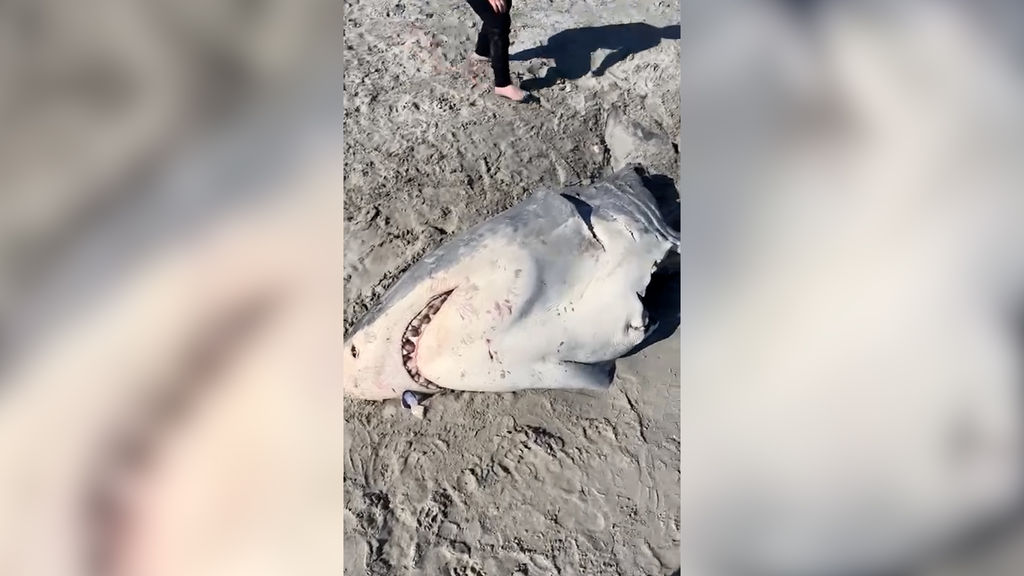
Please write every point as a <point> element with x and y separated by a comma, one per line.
<point>572,50</point>
<point>661,299</point>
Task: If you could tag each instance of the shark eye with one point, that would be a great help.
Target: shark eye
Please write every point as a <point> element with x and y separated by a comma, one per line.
<point>355,353</point>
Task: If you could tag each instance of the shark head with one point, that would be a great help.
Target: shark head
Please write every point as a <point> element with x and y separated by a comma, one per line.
<point>381,356</point>
<point>366,372</point>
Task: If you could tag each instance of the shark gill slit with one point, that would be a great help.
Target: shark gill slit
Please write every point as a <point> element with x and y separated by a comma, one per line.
<point>413,332</point>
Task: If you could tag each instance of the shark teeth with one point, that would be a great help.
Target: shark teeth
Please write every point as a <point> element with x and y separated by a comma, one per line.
<point>411,336</point>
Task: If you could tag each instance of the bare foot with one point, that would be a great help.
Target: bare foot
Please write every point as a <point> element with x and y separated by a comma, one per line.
<point>512,92</point>
<point>478,58</point>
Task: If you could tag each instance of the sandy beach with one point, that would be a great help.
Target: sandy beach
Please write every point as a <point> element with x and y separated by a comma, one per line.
<point>543,482</point>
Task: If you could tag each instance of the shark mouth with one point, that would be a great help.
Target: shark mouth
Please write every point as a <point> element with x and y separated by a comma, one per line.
<point>411,337</point>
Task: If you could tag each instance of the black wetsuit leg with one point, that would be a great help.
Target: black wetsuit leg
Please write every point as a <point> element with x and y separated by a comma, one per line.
<point>493,40</point>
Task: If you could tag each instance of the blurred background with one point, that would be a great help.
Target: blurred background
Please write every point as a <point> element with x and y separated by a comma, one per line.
<point>170,294</point>
<point>852,287</point>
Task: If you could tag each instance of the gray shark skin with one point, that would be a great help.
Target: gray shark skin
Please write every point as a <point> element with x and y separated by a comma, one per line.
<point>544,295</point>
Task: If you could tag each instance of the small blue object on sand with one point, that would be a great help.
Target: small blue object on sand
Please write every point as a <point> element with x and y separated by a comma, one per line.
<point>410,399</point>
